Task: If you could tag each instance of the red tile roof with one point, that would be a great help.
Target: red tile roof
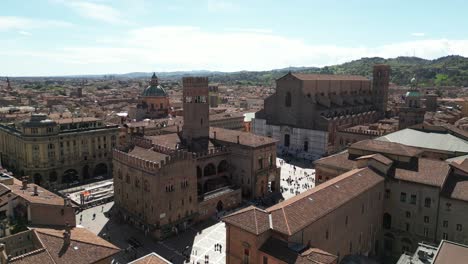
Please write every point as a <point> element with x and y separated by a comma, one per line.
<point>251,219</point>
<point>326,77</point>
<point>302,210</point>
<point>378,146</point>
<point>84,248</point>
<point>293,215</point>
<point>340,160</point>
<point>429,172</point>
<point>151,258</point>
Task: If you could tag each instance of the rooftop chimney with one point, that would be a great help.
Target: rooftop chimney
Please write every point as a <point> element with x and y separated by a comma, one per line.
<point>238,142</point>
<point>35,191</point>
<point>25,183</point>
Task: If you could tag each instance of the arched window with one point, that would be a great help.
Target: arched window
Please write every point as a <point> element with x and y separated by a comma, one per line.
<point>288,99</point>
<point>209,170</point>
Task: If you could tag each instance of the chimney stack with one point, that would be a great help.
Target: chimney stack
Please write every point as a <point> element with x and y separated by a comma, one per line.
<point>238,142</point>
<point>25,183</point>
<point>35,191</point>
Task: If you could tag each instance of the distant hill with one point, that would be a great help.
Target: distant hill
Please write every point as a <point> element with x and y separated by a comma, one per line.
<point>444,71</point>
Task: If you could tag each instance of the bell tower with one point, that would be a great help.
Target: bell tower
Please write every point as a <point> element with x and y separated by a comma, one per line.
<point>196,128</point>
<point>380,83</point>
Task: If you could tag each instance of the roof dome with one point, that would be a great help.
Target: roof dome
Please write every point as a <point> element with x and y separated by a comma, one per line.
<point>154,89</point>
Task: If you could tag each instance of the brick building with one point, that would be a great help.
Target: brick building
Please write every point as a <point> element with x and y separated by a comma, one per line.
<point>424,197</point>
<point>307,109</point>
<point>337,218</point>
<point>61,246</point>
<point>32,204</point>
<point>164,183</point>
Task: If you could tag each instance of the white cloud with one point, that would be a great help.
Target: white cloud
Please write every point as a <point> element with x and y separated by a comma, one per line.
<point>191,48</point>
<point>418,34</point>
<point>22,23</point>
<point>24,33</point>
<point>251,30</point>
<point>100,12</point>
<point>219,5</point>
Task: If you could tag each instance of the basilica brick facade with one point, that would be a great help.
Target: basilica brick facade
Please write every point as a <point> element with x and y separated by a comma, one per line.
<point>307,109</point>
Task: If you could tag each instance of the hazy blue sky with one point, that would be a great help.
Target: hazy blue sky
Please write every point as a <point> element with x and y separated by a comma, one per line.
<point>55,37</point>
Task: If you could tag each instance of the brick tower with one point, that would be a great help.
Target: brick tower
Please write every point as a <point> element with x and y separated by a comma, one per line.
<point>196,128</point>
<point>380,82</point>
<point>8,84</point>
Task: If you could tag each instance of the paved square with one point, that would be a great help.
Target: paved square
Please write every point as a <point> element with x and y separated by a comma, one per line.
<point>198,241</point>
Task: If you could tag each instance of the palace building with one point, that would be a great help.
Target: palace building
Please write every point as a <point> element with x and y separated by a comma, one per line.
<point>306,110</point>
<point>165,182</point>
<point>58,152</point>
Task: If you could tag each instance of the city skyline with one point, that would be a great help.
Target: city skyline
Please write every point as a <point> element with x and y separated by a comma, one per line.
<point>58,37</point>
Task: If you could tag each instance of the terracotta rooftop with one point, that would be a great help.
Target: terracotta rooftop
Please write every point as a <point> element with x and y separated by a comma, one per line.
<point>316,256</point>
<point>226,116</point>
<point>279,249</point>
<point>386,147</point>
<point>300,211</point>
<point>84,248</point>
<point>147,154</point>
<point>429,172</point>
<point>43,197</point>
<point>378,157</point>
<point>151,258</point>
<point>245,138</point>
<point>450,252</point>
<point>326,77</point>
<point>292,215</point>
<point>251,219</point>
<point>168,140</point>
<point>340,160</point>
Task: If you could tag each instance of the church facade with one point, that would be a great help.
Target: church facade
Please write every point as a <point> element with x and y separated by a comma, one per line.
<point>306,110</point>
<point>153,102</point>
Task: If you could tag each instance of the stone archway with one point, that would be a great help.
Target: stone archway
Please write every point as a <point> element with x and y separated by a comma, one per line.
<point>222,166</point>
<point>219,206</point>
<point>70,176</point>
<point>86,172</point>
<point>37,178</point>
<point>53,176</point>
<point>100,170</point>
<point>209,170</point>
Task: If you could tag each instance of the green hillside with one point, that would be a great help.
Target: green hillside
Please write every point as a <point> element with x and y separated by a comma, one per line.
<point>445,71</point>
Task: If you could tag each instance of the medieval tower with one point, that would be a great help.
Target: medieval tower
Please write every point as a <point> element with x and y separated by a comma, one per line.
<point>196,128</point>
<point>380,82</point>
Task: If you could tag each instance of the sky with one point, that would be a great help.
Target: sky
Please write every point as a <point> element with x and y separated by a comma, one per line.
<point>67,37</point>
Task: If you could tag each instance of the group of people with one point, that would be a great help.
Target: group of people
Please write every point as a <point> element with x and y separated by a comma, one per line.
<point>295,179</point>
